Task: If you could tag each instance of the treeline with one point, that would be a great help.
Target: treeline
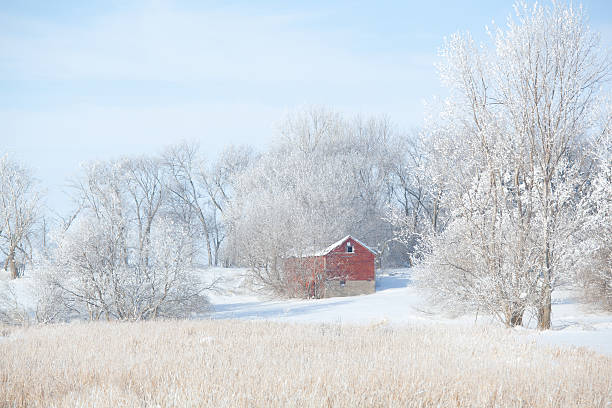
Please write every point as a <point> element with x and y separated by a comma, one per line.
<point>141,225</point>
<point>502,197</point>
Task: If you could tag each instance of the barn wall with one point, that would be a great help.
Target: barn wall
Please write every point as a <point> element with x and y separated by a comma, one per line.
<point>349,288</point>
<point>338,273</point>
<point>358,265</point>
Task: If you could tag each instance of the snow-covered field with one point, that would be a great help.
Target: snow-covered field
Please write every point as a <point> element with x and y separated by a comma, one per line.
<point>398,301</point>
<point>390,349</point>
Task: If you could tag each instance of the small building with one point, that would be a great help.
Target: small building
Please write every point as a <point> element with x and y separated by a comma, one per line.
<point>345,268</point>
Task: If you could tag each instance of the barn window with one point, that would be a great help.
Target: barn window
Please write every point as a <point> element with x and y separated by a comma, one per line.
<point>349,247</point>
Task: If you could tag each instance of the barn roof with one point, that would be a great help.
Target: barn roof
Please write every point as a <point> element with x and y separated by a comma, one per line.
<point>313,252</point>
<point>338,243</point>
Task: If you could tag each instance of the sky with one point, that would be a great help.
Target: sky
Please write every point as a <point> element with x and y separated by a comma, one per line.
<point>93,80</point>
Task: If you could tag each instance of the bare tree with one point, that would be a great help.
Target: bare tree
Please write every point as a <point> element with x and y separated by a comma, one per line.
<point>19,208</point>
<point>206,190</point>
<point>146,186</point>
<point>222,176</point>
<point>188,185</point>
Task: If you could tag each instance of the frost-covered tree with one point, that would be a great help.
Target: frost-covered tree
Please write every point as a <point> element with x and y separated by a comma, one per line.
<point>19,211</point>
<point>508,148</point>
<point>323,178</point>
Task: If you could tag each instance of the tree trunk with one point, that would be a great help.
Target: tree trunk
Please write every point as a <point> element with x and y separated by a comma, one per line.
<point>544,305</point>
<point>216,254</point>
<point>11,265</point>
<point>544,309</point>
<point>207,236</point>
<point>10,262</point>
<point>208,246</point>
<point>516,318</point>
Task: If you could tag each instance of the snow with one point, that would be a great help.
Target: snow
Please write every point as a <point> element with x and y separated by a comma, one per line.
<point>398,301</point>
<point>574,324</point>
<point>334,246</point>
<point>22,290</point>
<point>395,300</point>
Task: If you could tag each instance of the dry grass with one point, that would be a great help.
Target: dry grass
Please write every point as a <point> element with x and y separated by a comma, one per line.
<point>240,364</point>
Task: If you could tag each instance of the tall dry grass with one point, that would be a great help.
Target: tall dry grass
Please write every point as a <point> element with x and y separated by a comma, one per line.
<point>245,364</point>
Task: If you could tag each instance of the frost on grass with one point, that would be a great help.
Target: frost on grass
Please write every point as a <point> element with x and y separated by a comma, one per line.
<point>232,363</point>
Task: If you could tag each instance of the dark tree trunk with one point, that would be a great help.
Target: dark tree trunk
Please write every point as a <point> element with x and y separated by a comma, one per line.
<point>544,309</point>
<point>11,265</point>
<point>516,319</point>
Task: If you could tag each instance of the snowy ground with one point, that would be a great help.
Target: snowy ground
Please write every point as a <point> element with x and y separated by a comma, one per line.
<point>398,301</point>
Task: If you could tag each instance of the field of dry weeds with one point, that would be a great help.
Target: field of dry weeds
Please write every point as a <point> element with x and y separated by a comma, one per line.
<point>245,364</point>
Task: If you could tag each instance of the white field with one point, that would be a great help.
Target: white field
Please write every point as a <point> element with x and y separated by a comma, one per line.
<point>398,301</point>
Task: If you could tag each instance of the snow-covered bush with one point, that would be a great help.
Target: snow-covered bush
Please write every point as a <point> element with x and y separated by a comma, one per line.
<point>125,256</point>
<point>92,275</point>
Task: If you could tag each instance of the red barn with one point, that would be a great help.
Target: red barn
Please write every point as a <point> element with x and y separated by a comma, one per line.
<point>345,268</point>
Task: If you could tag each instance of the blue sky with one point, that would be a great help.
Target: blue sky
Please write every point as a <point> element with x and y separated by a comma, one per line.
<point>83,80</point>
